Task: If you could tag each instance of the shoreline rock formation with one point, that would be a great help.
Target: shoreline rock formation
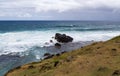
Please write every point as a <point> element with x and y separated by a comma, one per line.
<point>97,59</point>
<point>63,38</point>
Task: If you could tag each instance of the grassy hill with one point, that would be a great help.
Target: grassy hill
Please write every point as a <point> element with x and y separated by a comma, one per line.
<point>97,59</point>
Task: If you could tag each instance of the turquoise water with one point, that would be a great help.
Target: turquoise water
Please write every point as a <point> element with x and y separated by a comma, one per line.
<point>23,41</point>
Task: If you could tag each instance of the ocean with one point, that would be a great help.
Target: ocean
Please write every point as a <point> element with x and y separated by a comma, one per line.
<point>22,42</point>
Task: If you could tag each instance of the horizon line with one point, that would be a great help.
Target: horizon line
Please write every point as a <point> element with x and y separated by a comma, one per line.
<point>61,20</point>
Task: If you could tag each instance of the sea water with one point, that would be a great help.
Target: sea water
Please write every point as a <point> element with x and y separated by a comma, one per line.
<point>23,41</point>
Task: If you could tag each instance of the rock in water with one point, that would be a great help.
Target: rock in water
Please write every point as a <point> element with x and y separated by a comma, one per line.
<point>58,45</point>
<point>51,41</point>
<point>63,38</point>
<point>48,55</point>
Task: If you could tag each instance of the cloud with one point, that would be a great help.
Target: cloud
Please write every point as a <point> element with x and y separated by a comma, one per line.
<point>15,14</point>
<point>40,5</point>
<point>2,14</point>
<point>23,15</point>
<point>28,8</point>
<point>56,5</point>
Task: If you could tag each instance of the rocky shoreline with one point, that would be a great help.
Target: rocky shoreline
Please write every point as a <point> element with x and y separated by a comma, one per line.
<point>67,47</point>
<point>97,59</point>
<point>51,51</point>
<point>64,44</point>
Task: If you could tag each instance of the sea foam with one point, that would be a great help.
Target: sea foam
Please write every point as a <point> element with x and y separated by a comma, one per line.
<point>14,42</point>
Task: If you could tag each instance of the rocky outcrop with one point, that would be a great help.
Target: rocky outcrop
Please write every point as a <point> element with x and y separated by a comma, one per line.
<point>56,63</point>
<point>63,38</point>
<point>48,55</point>
<point>57,45</point>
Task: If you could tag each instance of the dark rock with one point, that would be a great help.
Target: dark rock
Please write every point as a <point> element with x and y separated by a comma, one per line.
<point>56,63</point>
<point>30,67</point>
<point>53,37</point>
<point>82,47</point>
<point>98,47</point>
<point>116,73</point>
<point>58,54</point>
<point>63,52</point>
<point>46,43</point>
<point>47,54</point>
<point>114,49</point>
<point>48,57</point>
<point>57,45</point>
<point>63,38</point>
<point>18,67</point>
<point>51,41</point>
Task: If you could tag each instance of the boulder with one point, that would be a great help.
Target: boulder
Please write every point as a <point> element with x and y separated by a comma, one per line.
<point>56,63</point>
<point>58,54</point>
<point>63,38</point>
<point>116,73</point>
<point>48,57</point>
<point>47,54</point>
<point>51,41</point>
<point>63,52</point>
<point>57,45</point>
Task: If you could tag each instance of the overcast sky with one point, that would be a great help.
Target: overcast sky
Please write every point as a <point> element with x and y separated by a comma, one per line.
<point>59,9</point>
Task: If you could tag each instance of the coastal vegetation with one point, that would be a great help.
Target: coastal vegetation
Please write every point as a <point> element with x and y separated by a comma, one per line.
<point>97,59</point>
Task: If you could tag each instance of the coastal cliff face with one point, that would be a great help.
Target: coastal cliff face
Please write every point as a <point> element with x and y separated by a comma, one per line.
<point>97,59</point>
